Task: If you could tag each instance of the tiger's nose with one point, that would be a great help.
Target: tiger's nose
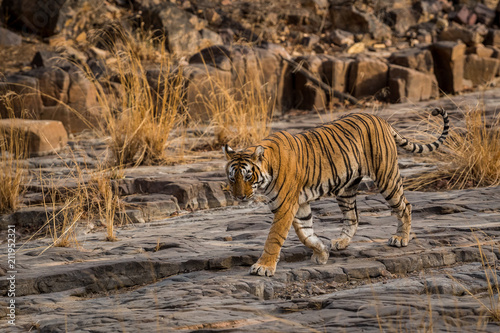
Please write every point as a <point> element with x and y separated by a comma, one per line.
<point>241,197</point>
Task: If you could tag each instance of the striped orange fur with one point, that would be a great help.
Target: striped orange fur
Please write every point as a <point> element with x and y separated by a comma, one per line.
<point>331,159</point>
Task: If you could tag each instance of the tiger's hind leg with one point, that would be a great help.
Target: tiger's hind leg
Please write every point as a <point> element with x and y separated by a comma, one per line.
<point>303,225</point>
<point>347,203</point>
<point>392,190</point>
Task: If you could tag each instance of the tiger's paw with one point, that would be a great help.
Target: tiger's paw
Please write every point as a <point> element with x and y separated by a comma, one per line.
<point>398,241</point>
<point>262,270</point>
<point>340,243</point>
<point>321,258</point>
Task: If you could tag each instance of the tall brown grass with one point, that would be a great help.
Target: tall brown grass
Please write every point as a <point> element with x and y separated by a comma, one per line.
<point>13,148</point>
<point>140,119</point>
<point>471,154</point>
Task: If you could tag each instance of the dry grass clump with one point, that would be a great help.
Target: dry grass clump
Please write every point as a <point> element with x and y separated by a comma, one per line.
<point>240,116</point>
<point>13,148</point>
<point>140,118</point>
<point>471,153</point>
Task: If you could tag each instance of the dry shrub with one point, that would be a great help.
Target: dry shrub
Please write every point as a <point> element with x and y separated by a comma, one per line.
<point>241,116</point>
<point>471,154</point>
<point>13,148</point>
<point>140,118</point>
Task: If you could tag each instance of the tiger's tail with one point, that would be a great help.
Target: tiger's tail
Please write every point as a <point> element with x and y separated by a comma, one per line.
<point>419,148</point>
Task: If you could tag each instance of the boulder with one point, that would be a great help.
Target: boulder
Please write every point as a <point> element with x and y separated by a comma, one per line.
<point>20,97</point>
<point>449,59</point>
<point>245,67</point>
<point>400,20</point>
<point>485,15</point>
<point>206,87</point>
<point>83,100</point>
<point>42,136</point>
<point>183,30</point>
<point>29,17</point>
<point>53,84</point>
<point>354,20</point>
<point>493,38</point>
<point>341,37</point>
<point>416,58</point>
<point>409,85</point>
<point>367,77</point>
<point>8,38</point>
<point>480,70</point>
<point>50,59</point>
<point>456,32</point>
<point>305,96</point>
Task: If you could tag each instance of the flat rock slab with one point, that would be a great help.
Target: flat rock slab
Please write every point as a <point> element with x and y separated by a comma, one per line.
<point>190,273</point>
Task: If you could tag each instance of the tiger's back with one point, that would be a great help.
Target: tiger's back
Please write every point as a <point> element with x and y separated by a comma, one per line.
<point>331,159</point>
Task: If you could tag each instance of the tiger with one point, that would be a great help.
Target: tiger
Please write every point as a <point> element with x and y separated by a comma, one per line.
<point>328,160</point>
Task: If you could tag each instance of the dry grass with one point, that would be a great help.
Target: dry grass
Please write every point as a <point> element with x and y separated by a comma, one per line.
<point>241,117</point>
<point>139,121</point>
<point>13,148</point>
<point>471,154</point>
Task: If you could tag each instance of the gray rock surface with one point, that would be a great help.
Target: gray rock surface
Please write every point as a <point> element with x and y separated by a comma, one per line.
<point>191,273</point>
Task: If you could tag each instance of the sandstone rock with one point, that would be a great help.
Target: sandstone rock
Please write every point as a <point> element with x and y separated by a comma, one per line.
<point>367,77</point>
<point>217,56</point>
<point>480,70</point>
<point>356,21</point>
<point>419,59</point>
<point>38,18</point>
<point>205,90</point>
<point>335,72</point>
<point>42,136</point>
<point>341,37</point>
<point>182,28</point>
<point>72,120</point>
<point>456,32</point>
<point>82,97</point>
<point>400,20</point>
<point>241,67</point>
<point>449,59</point>
<point>306,96</point>
<point>50,60</point>
<point>465,16</point>
<point>20,97</point>
<point>481,51</point>
<point>408,85</point>
<point>485,14</point>
<point>53,83</point>
<point>8,38</point>
<point>493,37</point>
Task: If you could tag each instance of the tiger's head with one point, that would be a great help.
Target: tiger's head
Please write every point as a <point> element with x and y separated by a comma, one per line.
<point>244,171</point>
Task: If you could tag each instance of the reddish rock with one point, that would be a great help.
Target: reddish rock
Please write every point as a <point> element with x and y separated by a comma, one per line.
<point>53,83</point>
<point>367,77</point>
<point>352,19</point>
<point>305,96</point>
<point>419,59</point>
<point>456,32</point>
<point>206,86</point>
<point>493,38</point>
<point>408,85</point>
<point>42,136</point>
<point>480,70</point>
<point>449,59</point>
<point>20,97</point>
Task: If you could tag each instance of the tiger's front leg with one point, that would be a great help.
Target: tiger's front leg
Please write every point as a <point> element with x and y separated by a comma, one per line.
<point>303,225</point>
<point>266,265</point>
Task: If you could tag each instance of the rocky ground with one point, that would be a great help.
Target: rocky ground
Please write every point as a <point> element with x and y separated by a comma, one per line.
<point>189,272</point>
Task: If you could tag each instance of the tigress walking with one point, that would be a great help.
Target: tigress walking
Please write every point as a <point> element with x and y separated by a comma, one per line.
<point>331,159</point>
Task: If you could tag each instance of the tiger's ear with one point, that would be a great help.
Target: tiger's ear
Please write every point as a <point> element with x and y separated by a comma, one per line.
<point>228,151</point>
<point>258,154</point>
